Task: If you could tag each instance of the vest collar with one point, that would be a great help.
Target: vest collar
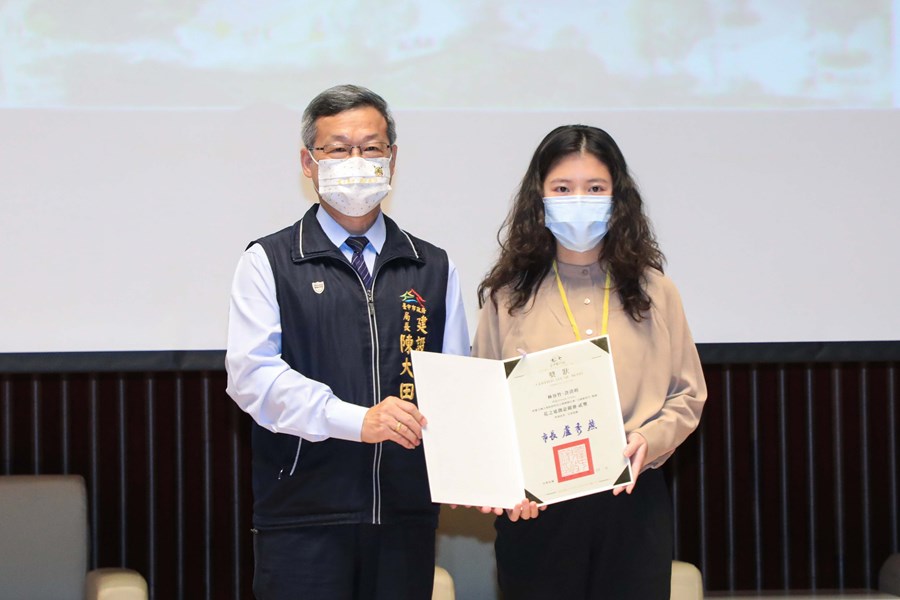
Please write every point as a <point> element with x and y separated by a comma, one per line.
<point>309,241</point>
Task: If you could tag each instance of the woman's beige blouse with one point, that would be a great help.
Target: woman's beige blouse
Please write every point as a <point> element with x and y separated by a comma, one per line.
<point>661,384</point>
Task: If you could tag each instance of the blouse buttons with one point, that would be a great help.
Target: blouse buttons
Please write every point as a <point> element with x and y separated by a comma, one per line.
<point>589,331</point>
<point>587,300</point>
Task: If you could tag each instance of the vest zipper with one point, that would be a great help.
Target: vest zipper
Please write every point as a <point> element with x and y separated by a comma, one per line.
<point>376,392</point>
<point>376,396</point>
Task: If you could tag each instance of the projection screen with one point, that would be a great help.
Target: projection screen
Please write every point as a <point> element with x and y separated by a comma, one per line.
<point>146,144</point>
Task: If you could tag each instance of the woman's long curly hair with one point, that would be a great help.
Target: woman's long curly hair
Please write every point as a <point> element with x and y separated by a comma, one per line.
<point>527,248</point>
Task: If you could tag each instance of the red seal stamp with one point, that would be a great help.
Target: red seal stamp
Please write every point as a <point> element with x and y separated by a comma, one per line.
<point>573,460</point>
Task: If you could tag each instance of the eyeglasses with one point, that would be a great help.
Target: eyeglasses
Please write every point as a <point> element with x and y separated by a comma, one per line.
<point>367,150</point>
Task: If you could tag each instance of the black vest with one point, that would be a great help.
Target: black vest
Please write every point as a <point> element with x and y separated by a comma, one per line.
<point>359,346</point>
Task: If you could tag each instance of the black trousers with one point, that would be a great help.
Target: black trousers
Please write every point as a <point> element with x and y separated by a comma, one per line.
<point>597,546</point>
<point>345,562</point>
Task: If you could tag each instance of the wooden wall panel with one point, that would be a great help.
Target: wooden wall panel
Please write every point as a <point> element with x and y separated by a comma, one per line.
<point>791,482</point>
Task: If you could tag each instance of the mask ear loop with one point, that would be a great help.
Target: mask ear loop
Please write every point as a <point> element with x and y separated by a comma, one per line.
<point>315,183</point>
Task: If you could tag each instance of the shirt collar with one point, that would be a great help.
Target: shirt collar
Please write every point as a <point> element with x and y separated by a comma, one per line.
<point>377,233</point>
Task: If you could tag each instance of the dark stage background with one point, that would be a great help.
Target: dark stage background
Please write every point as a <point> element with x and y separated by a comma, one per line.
<point>791,481</point>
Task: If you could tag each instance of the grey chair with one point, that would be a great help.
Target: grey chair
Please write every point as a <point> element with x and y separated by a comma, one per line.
<point>889,575</point>
<point>44,544</point>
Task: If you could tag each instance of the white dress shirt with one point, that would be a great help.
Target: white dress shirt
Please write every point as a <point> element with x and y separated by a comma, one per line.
<point>277,397</point>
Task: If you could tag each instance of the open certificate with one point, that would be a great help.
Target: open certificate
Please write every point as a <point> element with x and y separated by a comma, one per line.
<point>546,426</point>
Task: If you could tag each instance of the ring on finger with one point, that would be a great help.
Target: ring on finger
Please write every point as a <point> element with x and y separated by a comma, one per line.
<point>399,427</point>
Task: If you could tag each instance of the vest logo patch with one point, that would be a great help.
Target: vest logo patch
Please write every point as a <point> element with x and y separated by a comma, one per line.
<point>412,297</point>
<point>318,286</point>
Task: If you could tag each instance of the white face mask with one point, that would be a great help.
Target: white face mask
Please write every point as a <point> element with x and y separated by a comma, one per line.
<point>578,222</point>
<point>355,185</point>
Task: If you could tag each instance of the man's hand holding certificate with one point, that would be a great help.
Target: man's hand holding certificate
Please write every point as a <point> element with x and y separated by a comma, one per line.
<point>546,426</point>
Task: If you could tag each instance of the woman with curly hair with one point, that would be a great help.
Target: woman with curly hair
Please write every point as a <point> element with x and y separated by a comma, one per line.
<point>578,259</point>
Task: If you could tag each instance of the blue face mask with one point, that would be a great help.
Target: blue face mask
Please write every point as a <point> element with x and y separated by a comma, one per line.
<point>578,222</point>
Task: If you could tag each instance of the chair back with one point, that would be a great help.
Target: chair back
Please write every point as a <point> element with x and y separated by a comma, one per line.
<point>889,575</point>
<point>43,536</point>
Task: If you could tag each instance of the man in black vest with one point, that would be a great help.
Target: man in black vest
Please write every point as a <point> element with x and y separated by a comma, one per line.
<point>323,317</point>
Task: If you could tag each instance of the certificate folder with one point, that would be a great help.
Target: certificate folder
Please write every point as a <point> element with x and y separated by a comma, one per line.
<point>546,426</point>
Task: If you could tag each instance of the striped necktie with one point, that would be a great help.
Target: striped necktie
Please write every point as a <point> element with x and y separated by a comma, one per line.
<point>358,243</point>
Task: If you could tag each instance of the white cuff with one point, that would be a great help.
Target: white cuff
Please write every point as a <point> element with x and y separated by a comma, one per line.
<point>345,420</point>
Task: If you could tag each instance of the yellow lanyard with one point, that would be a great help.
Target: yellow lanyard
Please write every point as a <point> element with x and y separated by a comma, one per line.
<point>565,301</point>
